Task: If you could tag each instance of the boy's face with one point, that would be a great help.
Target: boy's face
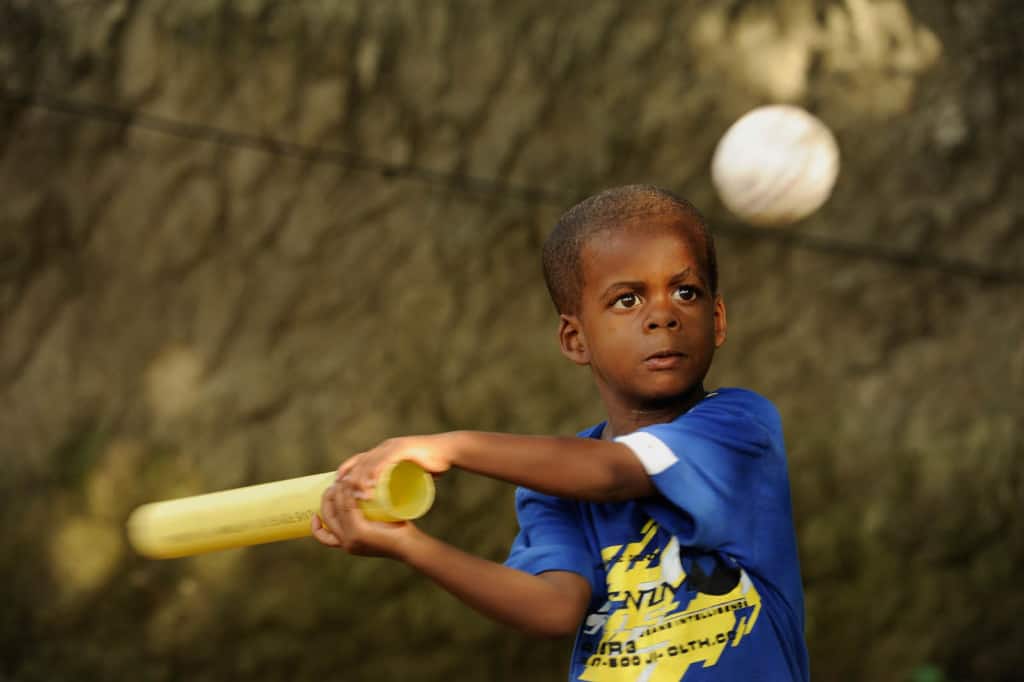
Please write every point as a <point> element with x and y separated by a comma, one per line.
<point>647,324</point>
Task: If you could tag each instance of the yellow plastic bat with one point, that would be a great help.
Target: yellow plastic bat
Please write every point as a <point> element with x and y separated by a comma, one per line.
<point>267,512</point>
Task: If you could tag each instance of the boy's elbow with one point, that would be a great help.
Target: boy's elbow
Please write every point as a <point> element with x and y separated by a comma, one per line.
<point>554,628</point>
<point>562,611</point>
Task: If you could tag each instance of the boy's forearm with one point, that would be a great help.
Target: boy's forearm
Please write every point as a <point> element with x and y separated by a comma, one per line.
<point>578,468</point>
<point>538,605</point>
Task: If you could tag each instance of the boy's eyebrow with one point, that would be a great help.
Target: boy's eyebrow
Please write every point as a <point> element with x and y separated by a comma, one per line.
<point>683,274</point>
<point>626,284</point>
<point>621,285</point>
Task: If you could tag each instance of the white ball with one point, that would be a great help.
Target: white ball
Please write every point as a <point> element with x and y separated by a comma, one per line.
<point>775,165</point>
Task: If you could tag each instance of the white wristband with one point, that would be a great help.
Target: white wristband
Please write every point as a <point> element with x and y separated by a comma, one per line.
<point>653,454</point>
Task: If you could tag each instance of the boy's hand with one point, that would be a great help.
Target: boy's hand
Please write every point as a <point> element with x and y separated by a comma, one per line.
<point>345,527</point>
<point>343,524</point>
<point>434,453</point>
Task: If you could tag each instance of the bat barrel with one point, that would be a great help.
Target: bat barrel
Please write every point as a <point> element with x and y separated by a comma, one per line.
<point>253,515</point>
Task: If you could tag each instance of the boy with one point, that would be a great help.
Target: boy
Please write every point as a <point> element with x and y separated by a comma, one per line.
<point>664,536</point>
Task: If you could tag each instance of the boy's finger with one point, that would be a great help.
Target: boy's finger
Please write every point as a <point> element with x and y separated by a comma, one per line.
<point>350,515</point>
<point>352,486</point>
<point>329,507</point>
<point>349,499</point>
<point>323,535</point>
<point>328,496</point>
<point>347,465</point>
<point>317,524</point>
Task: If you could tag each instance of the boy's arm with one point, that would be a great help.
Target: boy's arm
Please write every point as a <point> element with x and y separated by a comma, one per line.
<point>577,468</point>
<point>550,604</point>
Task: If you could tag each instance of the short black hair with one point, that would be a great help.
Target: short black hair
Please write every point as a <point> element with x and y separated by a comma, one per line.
<point>561,255</point>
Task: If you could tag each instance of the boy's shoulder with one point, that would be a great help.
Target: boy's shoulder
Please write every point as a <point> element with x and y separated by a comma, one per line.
<point>734,402</point>
<point>738,416</point>
<point>740,401</point>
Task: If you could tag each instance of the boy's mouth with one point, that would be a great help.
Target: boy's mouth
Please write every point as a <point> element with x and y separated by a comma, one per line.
<point>664,359</point>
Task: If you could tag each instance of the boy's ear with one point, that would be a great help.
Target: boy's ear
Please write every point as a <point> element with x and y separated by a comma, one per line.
<point>571,339</point>
<point>721,324</point>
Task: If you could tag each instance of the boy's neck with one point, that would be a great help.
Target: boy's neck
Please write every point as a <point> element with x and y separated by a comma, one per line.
<point>623,419</point>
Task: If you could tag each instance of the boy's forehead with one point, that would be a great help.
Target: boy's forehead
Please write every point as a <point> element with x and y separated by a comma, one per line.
<point>643,225</point>
<point>624,244</point>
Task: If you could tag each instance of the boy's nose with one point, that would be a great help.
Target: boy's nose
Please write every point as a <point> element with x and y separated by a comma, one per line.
<point>661,312</point>
<point>658,319</point>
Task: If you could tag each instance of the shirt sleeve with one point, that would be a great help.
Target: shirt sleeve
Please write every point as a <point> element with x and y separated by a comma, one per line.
<point>550,536</point>
<point>708,464</point>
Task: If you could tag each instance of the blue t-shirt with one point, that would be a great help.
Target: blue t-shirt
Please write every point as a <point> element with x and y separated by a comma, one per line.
<point>700,582</point>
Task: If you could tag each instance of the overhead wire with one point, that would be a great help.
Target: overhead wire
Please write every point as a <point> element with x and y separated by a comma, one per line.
<point>473,184</point>
<point>201,132</point>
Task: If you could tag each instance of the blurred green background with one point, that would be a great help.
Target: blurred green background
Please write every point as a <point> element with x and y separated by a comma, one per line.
<point>242,239</point>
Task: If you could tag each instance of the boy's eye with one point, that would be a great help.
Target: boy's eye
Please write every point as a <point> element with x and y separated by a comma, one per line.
<point>627,301</point>
<point>686,293</point>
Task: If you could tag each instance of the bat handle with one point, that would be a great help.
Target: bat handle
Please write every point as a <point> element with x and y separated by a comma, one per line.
<point>403,492</point>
